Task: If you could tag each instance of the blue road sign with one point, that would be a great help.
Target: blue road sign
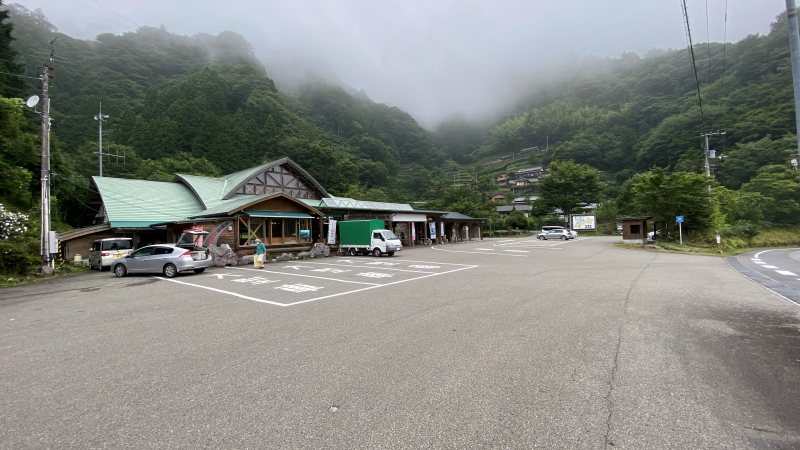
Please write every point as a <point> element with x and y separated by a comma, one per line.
<point>678,219</point>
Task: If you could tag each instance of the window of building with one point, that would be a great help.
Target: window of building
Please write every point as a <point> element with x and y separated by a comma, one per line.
<point>636,229</point>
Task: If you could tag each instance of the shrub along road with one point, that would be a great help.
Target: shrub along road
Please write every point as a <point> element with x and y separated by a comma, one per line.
<point>573,346</point>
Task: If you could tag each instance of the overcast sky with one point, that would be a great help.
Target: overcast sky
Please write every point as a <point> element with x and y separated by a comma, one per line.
<point>432,58</point>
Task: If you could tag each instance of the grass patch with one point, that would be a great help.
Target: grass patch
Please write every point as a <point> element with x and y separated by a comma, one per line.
<point>8,280</point>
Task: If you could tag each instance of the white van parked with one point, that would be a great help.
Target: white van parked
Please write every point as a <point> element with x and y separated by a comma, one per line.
<point>105,251</point>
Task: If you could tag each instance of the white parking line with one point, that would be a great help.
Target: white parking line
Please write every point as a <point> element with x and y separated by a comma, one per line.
<point>221,291</point>
<point>770,267</point>
<point>306,276</point>
<point>367,267</point>
<point>518,251</point>
<point>387,284</point>
<point>786,272</point>
<point>759,262</point>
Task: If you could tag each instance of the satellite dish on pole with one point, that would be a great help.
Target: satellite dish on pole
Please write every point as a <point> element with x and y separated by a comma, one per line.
<point>32,101</point>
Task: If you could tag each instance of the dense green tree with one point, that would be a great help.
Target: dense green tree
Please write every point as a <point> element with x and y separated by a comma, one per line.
<point>778,186</point>
<point>569,186</point>
<point>663,196</point>
<point>11,82</point>
<point>19,154</point>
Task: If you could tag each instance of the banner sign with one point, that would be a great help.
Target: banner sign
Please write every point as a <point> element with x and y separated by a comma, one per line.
<point>584,222</point>
<point>432,227</point>
<point>214,235</point>
<point>442,232</point>
<point>414,232</point>
<point>331,231</point>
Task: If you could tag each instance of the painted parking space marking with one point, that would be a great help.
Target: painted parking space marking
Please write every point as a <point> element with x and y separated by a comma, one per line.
<point>375,275</point>
<point>760,262</point>
<point>786,272</point>
<point>254,281</point>
<point>221,291</point>
<point>221,276</point>
<point>518,251</point>
<point>296,288</point>
<point>278,287</point>
<point>770,267</point>
<point>368,267</point>
<point>330,269</point>
<point>299,275</point>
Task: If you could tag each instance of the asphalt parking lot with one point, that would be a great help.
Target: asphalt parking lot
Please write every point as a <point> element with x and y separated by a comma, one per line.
<point>552,345</point>
<point>306,281</point>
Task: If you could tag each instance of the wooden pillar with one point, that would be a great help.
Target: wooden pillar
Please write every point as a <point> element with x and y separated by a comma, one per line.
<point>469,232</point>
<point>410,241</point>
<point>321,237</point>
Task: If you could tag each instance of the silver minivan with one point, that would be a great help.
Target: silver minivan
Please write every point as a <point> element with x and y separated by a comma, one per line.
<point>105,251</point>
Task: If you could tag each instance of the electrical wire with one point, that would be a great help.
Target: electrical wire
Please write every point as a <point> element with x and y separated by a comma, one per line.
<point>708,44</point>
<point>142,31</point>
<point>724,47</point>
<point>21,76</point>
<point>694,65</point>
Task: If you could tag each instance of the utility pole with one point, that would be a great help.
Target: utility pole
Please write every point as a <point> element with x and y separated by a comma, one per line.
<point>100,118</point>
<point>707,150</point>
<point>45,175</point>
<point>794,47</point>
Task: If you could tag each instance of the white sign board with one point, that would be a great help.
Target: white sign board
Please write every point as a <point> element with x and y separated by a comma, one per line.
<point>331,232</point>
<point>584,222</point>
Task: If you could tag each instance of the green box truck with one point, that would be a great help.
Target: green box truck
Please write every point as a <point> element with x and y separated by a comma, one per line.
<point>367,236</point>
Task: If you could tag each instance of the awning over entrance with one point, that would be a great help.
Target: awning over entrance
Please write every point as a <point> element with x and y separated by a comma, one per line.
<point>282,214</point>
<point>403,217</point>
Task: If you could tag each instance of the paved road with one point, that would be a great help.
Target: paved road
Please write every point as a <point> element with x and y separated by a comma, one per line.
<point>574,345</point>
<point>776,269</point>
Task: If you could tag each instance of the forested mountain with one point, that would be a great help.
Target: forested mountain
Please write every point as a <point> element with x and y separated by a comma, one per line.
<point>204,105</point>
<point>630,114</point>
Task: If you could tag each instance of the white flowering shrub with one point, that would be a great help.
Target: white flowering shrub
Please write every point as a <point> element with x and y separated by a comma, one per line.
<point>12,224</point>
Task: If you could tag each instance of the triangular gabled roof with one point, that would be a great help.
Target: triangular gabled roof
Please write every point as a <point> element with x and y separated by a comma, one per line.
<point>237,180</point>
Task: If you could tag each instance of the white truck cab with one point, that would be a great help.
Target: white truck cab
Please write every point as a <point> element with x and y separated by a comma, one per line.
<point>385,241</point>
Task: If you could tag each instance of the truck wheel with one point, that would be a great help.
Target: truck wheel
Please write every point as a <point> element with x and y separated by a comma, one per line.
<point>376,252</point>
<point>390,253</point>
<point>352,252</point>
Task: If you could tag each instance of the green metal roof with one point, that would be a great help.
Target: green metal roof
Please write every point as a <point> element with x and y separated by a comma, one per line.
<point>145,202</point>
<point>210,190</point>
<point>237,202</point>
<point>349,203</point>
<point>131,224</point>
<point>291,215</point>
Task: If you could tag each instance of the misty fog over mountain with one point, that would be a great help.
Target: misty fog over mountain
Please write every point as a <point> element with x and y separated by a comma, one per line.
<point>432,59</point>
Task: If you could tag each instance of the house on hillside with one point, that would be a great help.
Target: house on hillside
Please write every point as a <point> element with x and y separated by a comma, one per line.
<point>502,178</point>
<point>498,197</point>
<point>525,209</point>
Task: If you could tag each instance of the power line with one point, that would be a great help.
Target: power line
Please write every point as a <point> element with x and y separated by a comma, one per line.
<point>708,44</point>
<point>21,76</point>
<point>142,30</point>
<point>722,80</point>
<point>693,63</point>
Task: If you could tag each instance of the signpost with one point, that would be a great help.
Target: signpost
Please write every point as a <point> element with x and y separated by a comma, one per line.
<point>679,220</point>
